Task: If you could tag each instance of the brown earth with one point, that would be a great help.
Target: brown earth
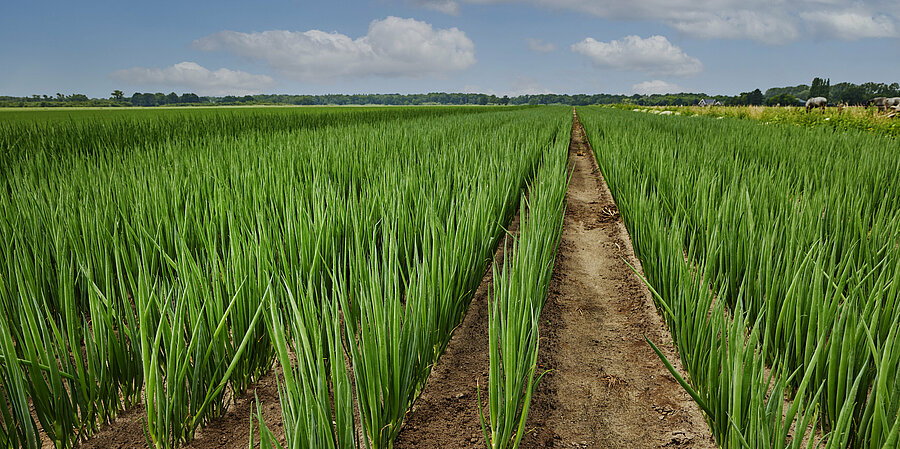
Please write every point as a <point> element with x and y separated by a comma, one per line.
<point>230,431</point>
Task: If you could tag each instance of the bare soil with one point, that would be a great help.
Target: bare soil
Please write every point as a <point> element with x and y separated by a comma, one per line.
<point>230,431</point>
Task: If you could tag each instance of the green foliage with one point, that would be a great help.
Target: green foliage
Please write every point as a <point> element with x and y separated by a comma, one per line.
<point>782,100</point>
<point>753,98</point>
<point>820,87</point>
<point>851,95</point>
<point>800,91</point>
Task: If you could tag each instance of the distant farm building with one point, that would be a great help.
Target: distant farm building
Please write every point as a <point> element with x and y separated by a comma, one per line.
<point>709,102</point>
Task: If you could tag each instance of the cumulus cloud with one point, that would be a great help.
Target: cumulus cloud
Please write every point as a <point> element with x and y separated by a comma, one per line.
<point>450,7</point>
<point>655,87</point>
<point>524,85</point>
<point>850,25</point>
<point>393,47</point>
<point>767,28</point>
<point>768,21</point>
<point>475,89</point>
<point>539,46</point>
<point>197,78</point>
<point>654,55</point>
<point>521,85</point>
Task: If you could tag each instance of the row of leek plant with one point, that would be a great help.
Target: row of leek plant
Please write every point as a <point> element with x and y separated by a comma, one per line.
<point>356,346</point>
<point>519,293</point>
<point>139,258</point>
<point>773,253</point>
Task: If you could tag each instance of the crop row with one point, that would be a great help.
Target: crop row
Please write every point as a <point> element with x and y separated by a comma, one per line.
<point>773,253</point>
<point>519,293</point>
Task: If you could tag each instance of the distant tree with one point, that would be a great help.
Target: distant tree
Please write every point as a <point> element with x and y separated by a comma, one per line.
<point>60,96</point>
<point>305,100</point>
<point>139,99</point>
<point>782,99</point>
<point>118,94</point>
<point>172,98</point>
<point>881,89</point>
<point>189,98</point>
<point>799,91</point>
<point>78,97</point>
<point>820,87</point>
<point>854,95</point>
<point>756,98</point>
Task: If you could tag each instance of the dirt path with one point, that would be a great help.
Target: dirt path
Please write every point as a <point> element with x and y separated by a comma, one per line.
<point>607,389</point>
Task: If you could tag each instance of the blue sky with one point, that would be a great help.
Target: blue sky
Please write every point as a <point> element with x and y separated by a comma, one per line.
<point>505,47</point>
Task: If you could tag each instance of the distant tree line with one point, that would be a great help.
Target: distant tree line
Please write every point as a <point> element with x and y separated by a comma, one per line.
<point>161,99</point>
<point>848,93</point>
<point>58,100</point>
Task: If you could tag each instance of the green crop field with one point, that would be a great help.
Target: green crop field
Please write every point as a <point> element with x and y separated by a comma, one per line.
<point>162,257</point>
<point>773,251</point>
<point>166,260</point>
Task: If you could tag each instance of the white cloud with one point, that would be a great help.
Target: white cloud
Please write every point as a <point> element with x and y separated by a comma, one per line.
<point>654,55</point>
<point>450,7</point>
<point>393,47</point>
<point>850,25</point>
<point>521,85</point>
<point>768,21</point>
<point>539,46</point>
<point>197,78</point>
<point>655,87</point>
<point>474,89</point>
<point>524,85</point>
<point>768,28</point>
